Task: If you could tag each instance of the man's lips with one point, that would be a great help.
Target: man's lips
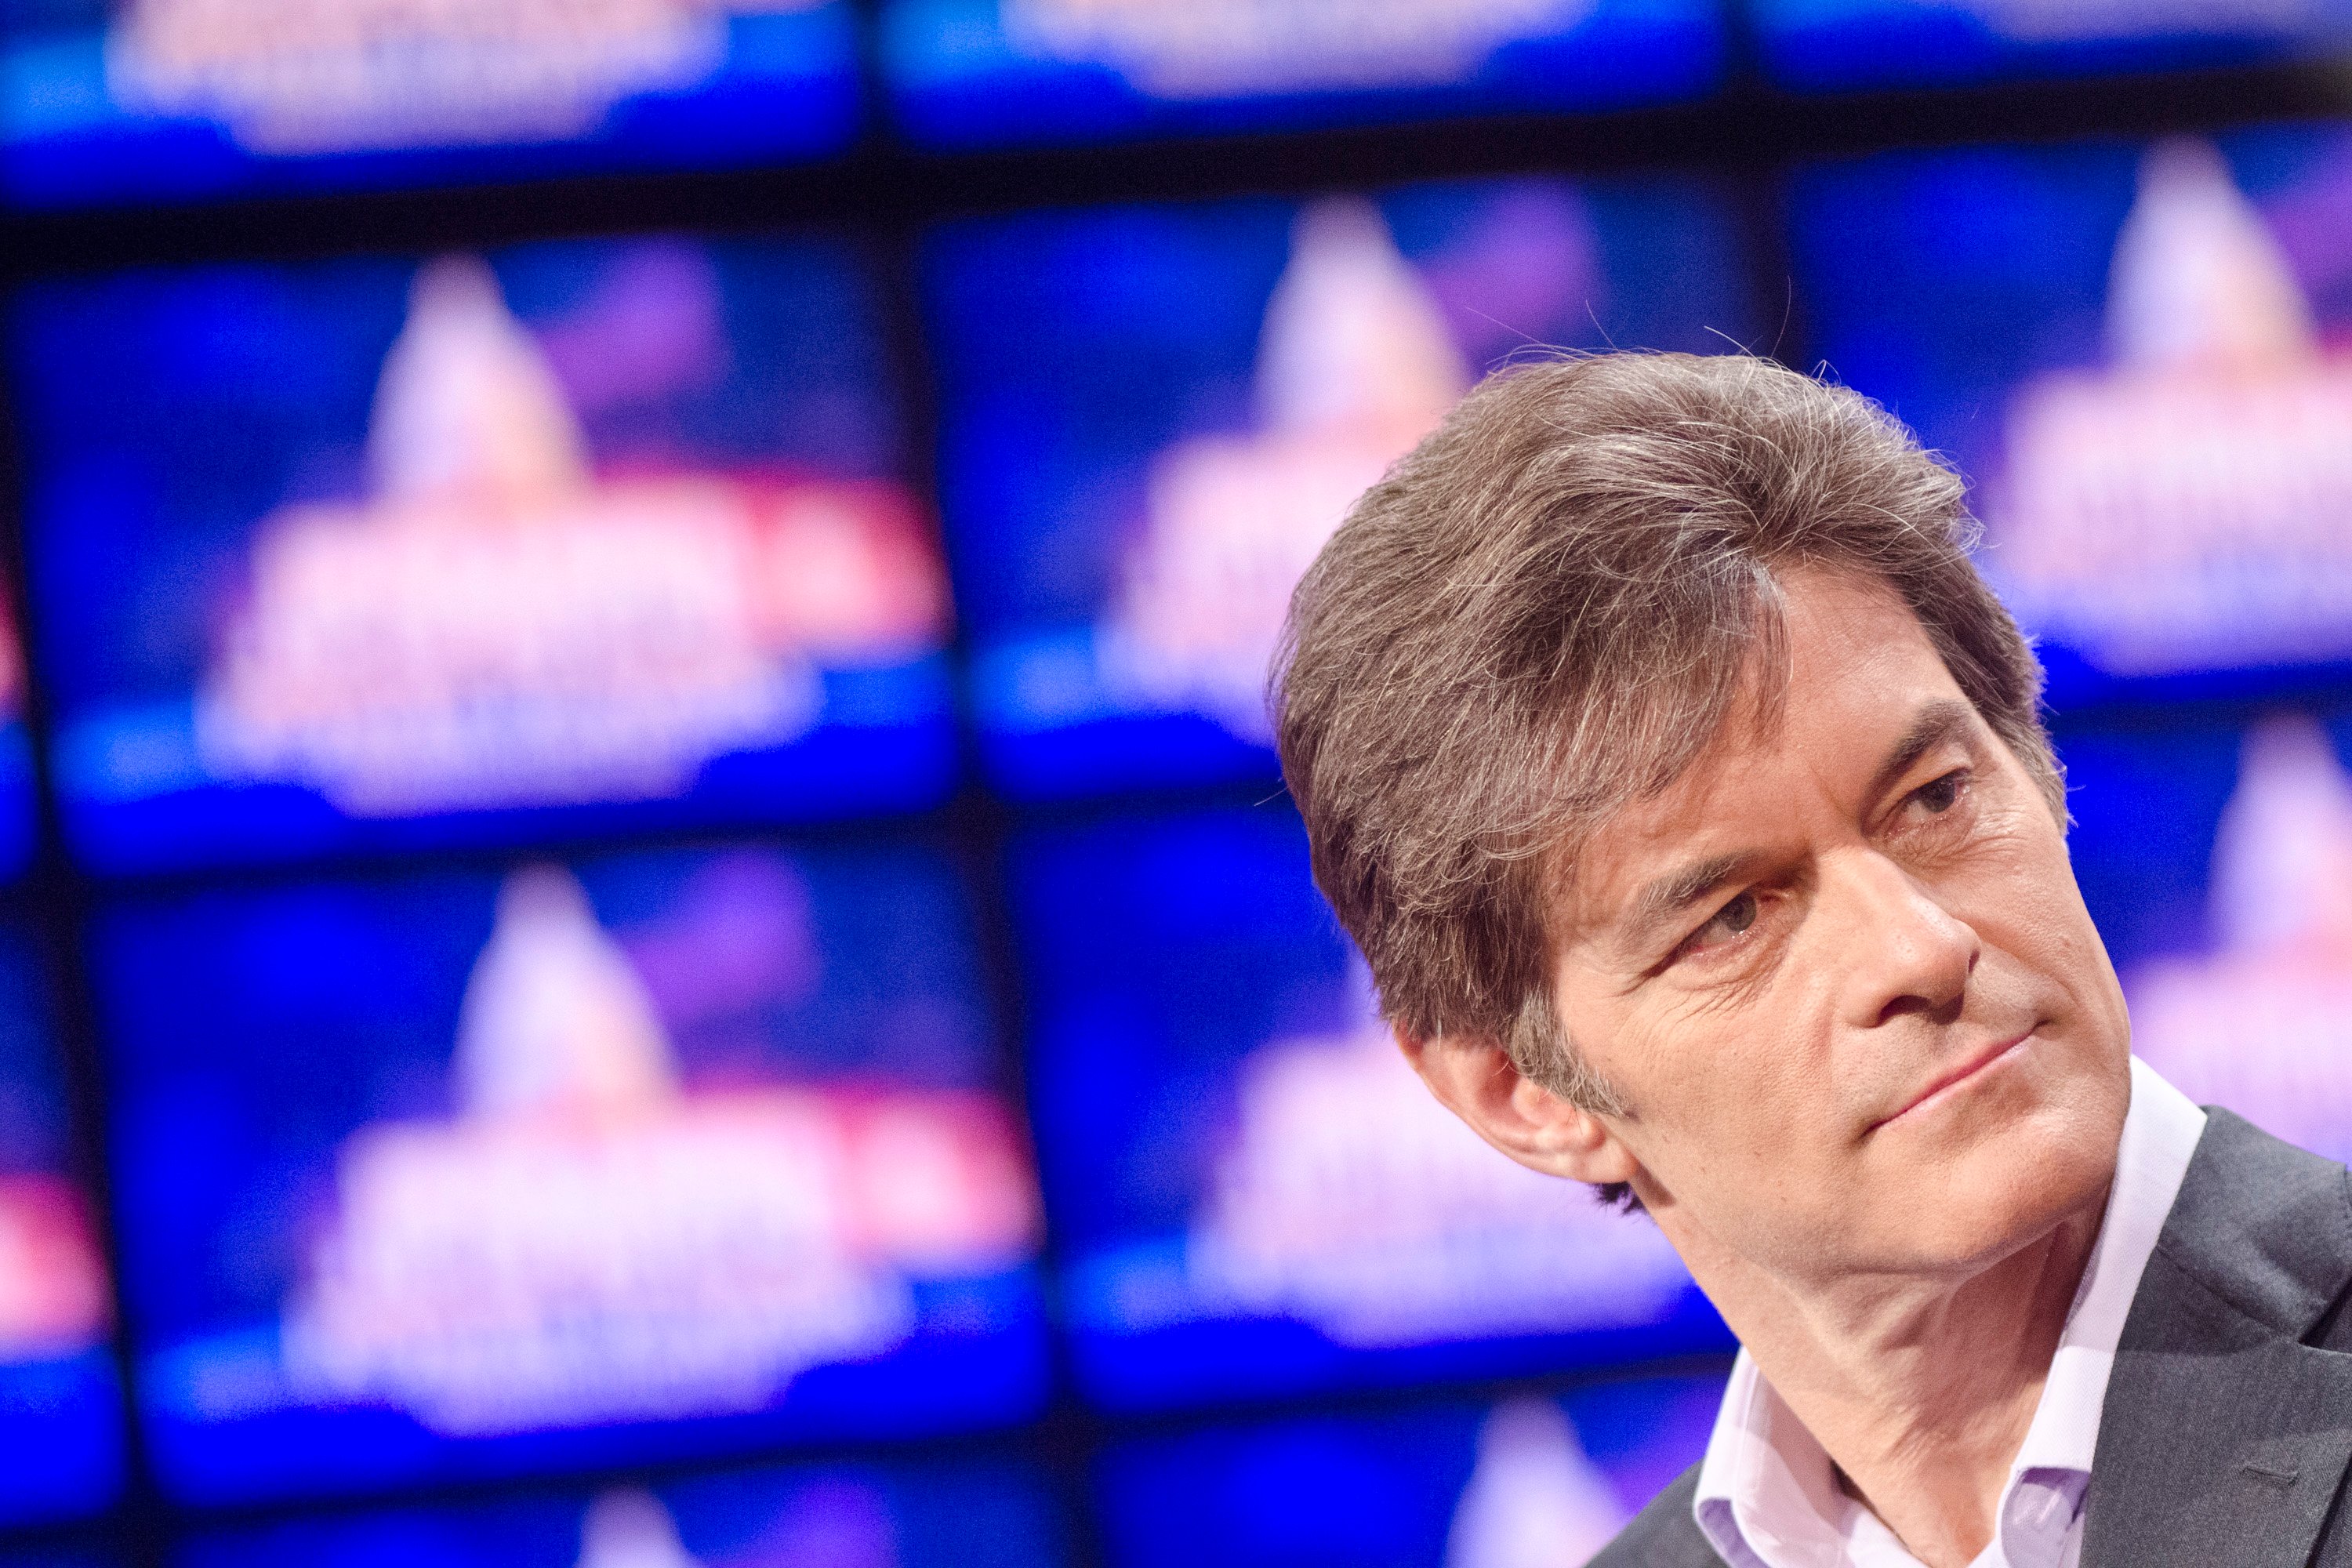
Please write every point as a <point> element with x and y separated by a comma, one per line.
<point>1960,1074</point>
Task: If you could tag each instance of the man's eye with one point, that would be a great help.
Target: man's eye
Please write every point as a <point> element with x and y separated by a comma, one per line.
<point>1943,793</point>
<point>1735,917</point>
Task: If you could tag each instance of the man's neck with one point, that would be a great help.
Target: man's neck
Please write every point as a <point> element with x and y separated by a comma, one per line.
<point>1920,1391</point>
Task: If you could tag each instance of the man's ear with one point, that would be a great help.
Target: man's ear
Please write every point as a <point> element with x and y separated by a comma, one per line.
<point>1477,1081</point>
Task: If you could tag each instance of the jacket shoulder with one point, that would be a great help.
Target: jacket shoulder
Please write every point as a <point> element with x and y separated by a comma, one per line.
<point>1663,1535</point>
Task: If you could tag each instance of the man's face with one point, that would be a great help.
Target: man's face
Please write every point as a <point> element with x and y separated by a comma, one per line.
<point>1843,978</point>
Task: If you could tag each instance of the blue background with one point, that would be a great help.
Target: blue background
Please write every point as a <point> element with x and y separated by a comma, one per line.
<point>958,80</point>
<point>1939,282</point>
<point>251,1032</point>
<point>1368,1489</point>
<point>788,88</point>
<point>1830,45</point>
<point>970,1514</point>
<point>173,410</point>
<point>1160,953</point>
<point>1073,347</point>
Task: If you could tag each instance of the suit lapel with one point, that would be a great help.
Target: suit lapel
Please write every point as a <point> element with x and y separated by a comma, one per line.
<point>2225,1437</point>
<point>2221,1454</point>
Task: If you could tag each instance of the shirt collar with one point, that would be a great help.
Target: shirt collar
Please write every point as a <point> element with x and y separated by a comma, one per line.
<point>1767,1497</point>
<point>2160,1133</point>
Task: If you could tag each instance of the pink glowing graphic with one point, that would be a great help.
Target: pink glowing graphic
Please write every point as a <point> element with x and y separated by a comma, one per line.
<point>500,626</point>
<point>1218,49</point>
<point>2263,1024</point>
<point>1350,1199</point>
<point>2185,509</point>
<point>53,1292</point>
<point>1355,366</point>
<point>294,77</point>
<point>1535,1500</point>
<point>587,1243</point>
<point>12,666</point>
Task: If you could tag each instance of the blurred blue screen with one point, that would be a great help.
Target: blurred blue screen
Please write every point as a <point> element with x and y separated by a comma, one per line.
<point>977,72</point>
<point>1816,45</point>
<point>19,819</point>
<point>1532,1479</point>
<point>2142,359</point>
<point>1153,416</point>
<point>183,101</point>
<point>1252,1193</point>
<point>61,1402</point>
<point>975,1514</point>
<point>668,1153</point>
<point>2217,859</point>
<point>369,554</point>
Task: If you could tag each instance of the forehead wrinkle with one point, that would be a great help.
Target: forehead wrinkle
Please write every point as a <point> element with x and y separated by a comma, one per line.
<point>1686,717</point>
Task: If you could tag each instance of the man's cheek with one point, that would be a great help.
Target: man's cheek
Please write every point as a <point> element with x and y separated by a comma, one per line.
<point>1753,1099</point>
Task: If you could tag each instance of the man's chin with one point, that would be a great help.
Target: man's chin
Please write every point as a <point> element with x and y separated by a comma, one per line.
<point>1993,1195</point>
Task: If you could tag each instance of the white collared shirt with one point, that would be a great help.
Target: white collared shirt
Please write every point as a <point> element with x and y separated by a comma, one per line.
<point>1767,1495</point>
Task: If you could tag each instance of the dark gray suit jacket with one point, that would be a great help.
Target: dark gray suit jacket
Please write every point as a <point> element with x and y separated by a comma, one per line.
<point>2228,1422</point>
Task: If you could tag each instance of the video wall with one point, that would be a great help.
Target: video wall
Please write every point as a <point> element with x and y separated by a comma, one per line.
<point>116,103</point>
<point>645,912</point>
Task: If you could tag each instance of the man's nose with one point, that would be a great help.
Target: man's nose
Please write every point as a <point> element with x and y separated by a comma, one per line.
<point>1913,954</point>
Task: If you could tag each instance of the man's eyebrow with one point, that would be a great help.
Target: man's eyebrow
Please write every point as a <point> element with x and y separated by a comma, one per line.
<point>1945,718</point>
<point>1657,904</point>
